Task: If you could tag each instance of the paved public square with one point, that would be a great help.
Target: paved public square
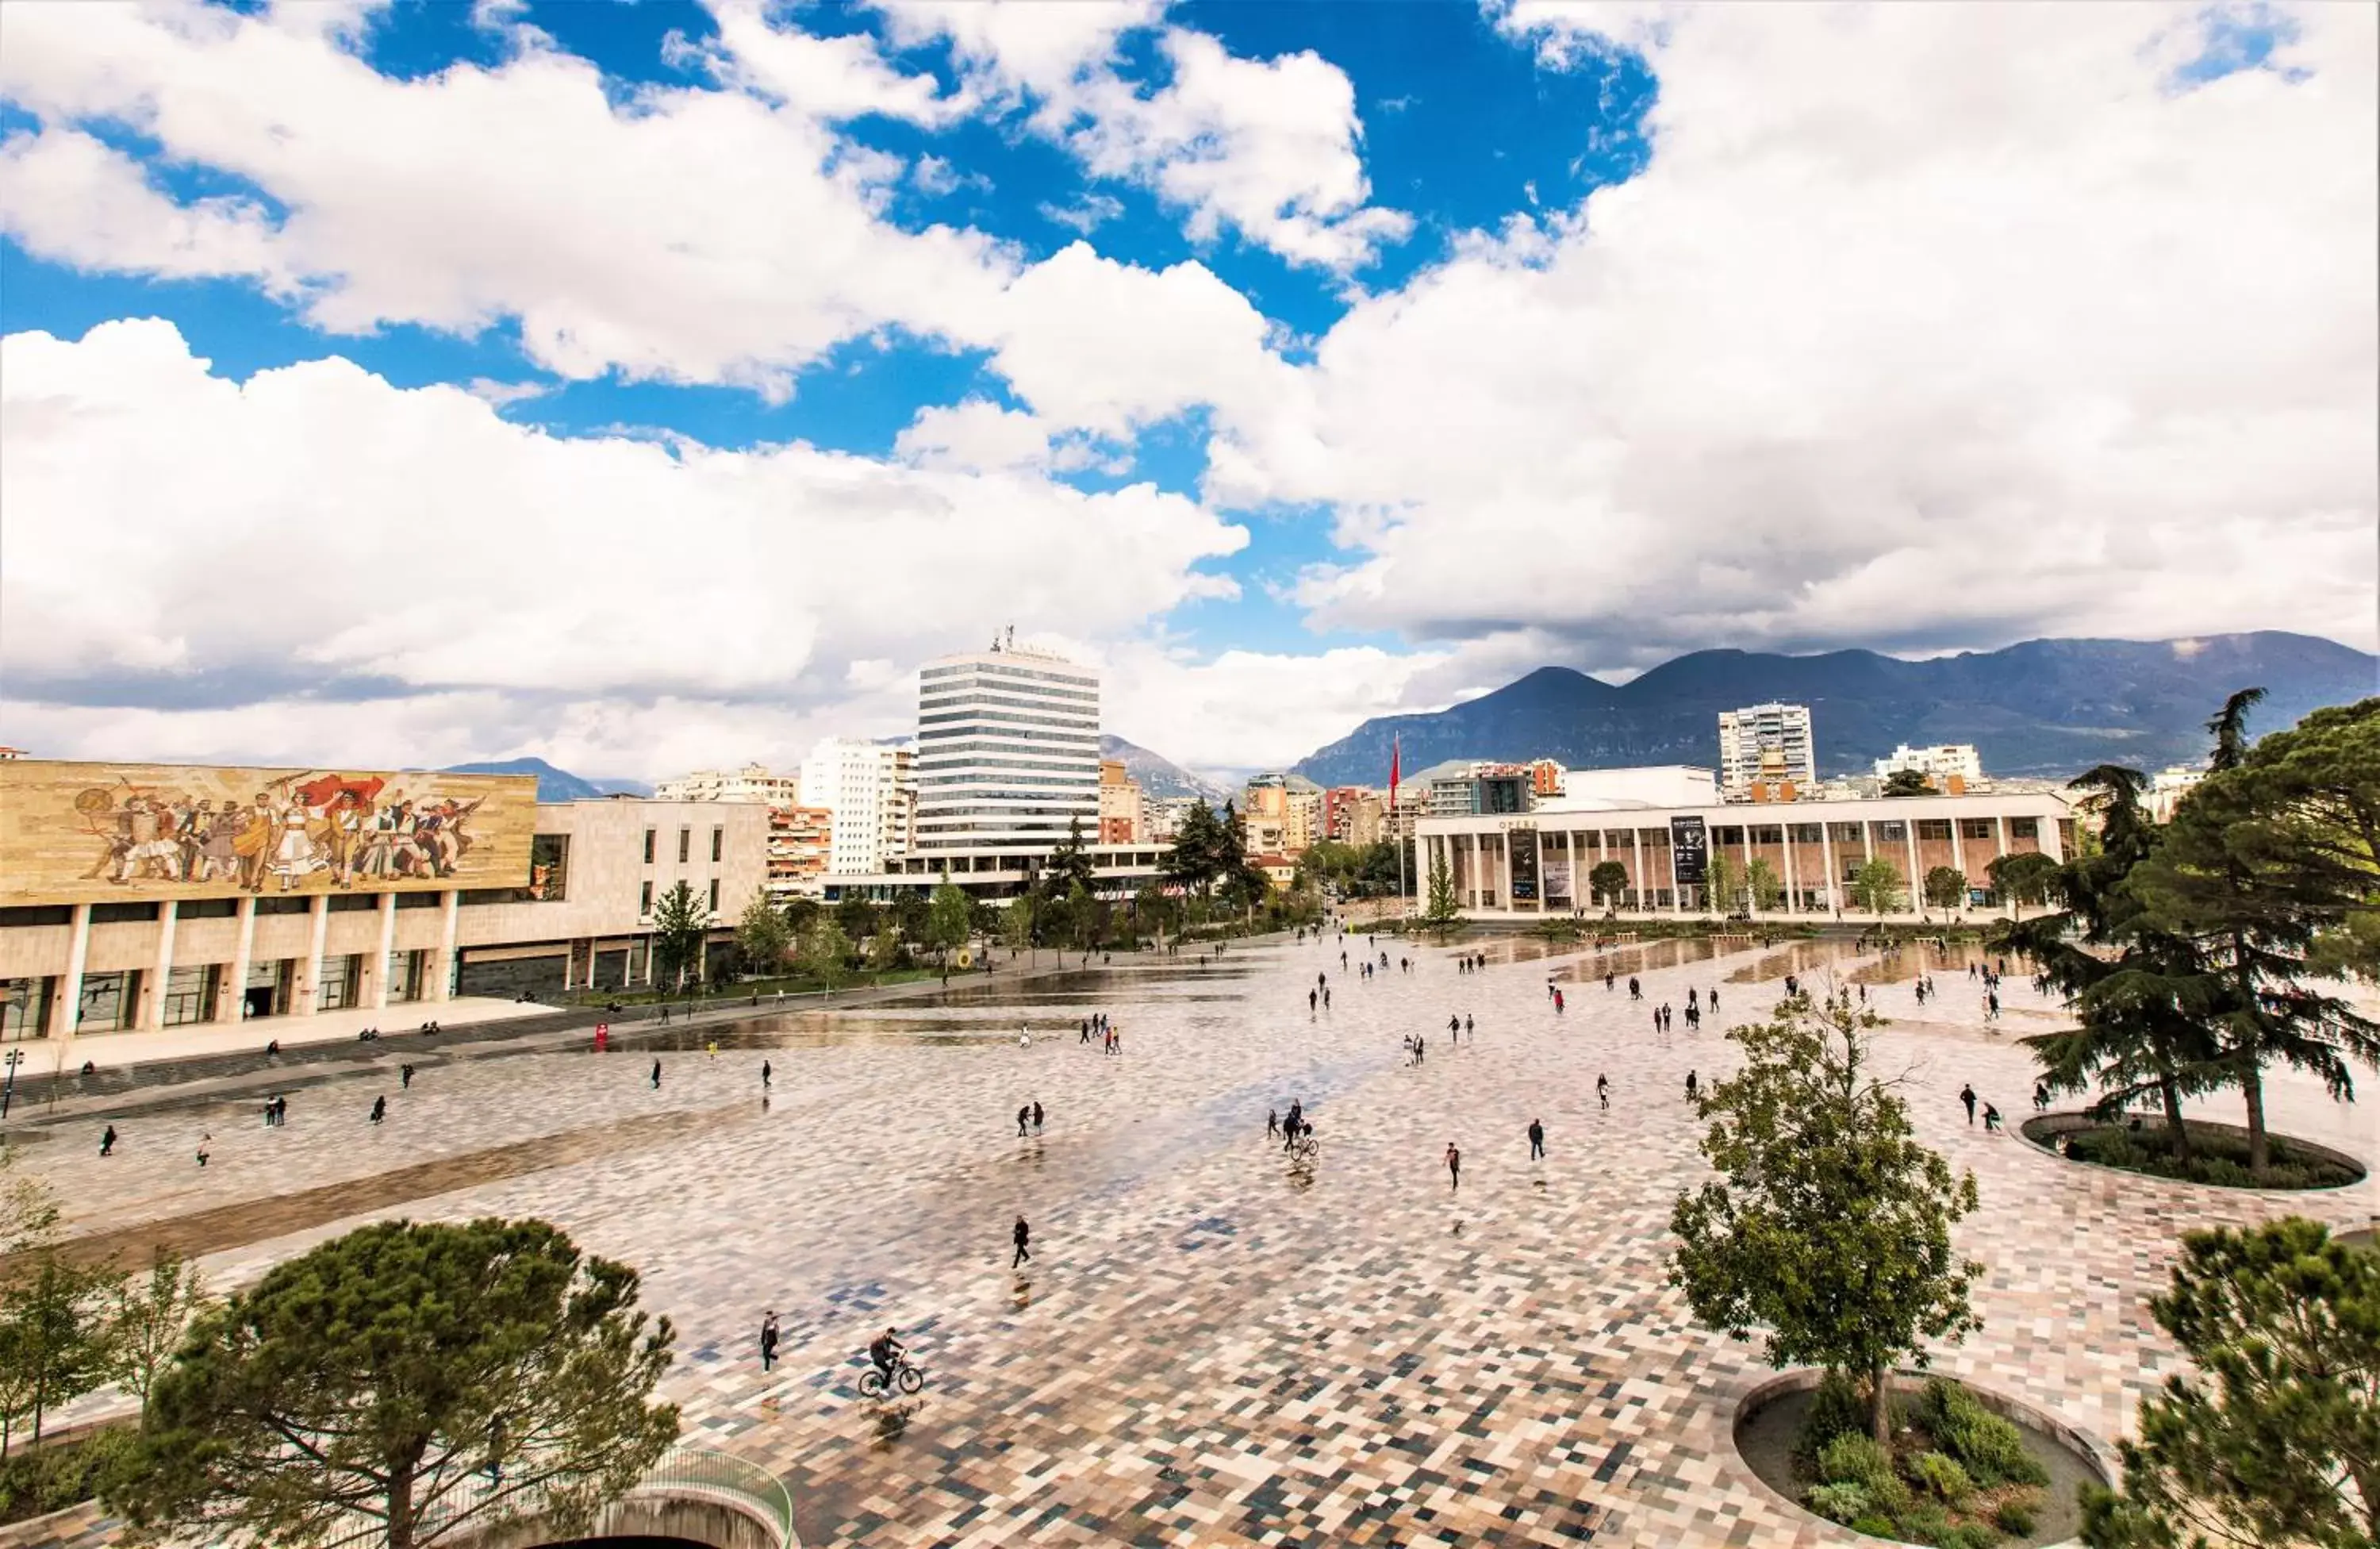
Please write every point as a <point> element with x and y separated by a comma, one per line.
<point>1208,1346</point>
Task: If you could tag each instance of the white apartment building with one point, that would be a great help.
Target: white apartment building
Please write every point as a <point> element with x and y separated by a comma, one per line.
<point>751,783</point>
<point>1940,764</point>
<point>871,789</point>
<point>1008,752</point>
<point>1745,734</point>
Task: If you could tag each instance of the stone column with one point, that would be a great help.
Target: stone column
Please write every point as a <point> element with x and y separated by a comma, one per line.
<point>1916,883</point>
<point>1827,858</point>
<point>388,946</point>
<point>1751,899</point>
<point>152,1000</point>
<point>234,992</point>
<point>450,924</point>
<point>1637,878</point>
<point>67,1010</point>
<point>1959,849</point>
<point>1792,879</point>
<point>317,925</point>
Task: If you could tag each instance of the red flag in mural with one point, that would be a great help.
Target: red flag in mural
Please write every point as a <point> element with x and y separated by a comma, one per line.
<point>325,791</point>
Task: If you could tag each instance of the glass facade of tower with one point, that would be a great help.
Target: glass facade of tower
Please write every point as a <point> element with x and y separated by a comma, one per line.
<point>1008,752</point>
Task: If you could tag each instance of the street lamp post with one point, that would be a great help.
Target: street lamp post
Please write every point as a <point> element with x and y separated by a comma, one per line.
<point>14,1059</point>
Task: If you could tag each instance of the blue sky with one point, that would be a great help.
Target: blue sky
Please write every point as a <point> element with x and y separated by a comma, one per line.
<point>1300,360</point>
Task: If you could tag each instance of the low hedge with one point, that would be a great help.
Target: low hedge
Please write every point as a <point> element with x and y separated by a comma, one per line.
<point>39,1480</point>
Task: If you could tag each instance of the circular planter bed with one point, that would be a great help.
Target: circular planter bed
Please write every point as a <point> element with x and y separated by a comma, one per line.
<point>2137,1143</point>
<point>1955,1477</point>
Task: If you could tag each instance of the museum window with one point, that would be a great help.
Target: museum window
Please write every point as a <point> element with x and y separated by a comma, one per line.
<point>649,846</point>
<point>684,846</point>
<point>714,894</point>
<point>645,901</point>
<point>718,843</point>
<point>292,903</point>
<point>1974,828</point>
<point>1933,829</point>
<point>121,914</point>
<point>36,914</point>
<point>207,908</point>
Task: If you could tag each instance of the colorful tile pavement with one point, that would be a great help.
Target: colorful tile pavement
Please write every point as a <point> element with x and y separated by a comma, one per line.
<point>1210,1346</point>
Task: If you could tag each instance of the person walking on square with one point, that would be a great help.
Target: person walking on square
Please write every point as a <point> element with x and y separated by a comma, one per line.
<point>204,1140</point>
<point>1024,1116</point>
<point>1603,1090</point>
<point>1455,1026</point>
<point>1991,1119</point>
<point>1636,991</point>
<point>1272,1123</point>
<point>107,1142</point>
<point>2041,1097</point>
<point>1023,1236</point>
<point>404,1077</point>
<point>1037,1117</point>
<point>1537,1139</point>
<point>767,1075</point>
<point>1313,998</point>
<point>769,1340</point>
<point>1690,1086</point>
<point>379,1108</point>
<point>656,1075</point>
<point>1453,1167</point>
<point>1967,1096</point>
<point>1469,1031</point>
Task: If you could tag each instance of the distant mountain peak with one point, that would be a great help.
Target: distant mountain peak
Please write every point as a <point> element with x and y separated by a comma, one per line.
<point>553,784</point>
<point>1155,774</point>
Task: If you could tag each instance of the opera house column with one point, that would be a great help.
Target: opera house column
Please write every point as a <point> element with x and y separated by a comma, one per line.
<point>388,946</point>
<point>449,926</point>
<point>231,1000</point>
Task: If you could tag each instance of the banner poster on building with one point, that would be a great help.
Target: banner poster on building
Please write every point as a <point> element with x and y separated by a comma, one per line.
<point>1523,843</point>
<point>1556,867</point>
<point>1689,851</point>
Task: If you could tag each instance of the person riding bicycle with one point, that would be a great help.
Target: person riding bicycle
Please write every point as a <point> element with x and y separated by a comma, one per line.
<point>886,1350</point>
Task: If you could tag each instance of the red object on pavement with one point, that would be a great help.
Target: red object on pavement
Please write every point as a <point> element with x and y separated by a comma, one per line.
<point>602,1036</point>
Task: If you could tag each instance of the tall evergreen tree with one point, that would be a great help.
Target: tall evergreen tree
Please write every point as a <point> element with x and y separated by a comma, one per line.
<point>2252,870</point>
<point>2137,991</point>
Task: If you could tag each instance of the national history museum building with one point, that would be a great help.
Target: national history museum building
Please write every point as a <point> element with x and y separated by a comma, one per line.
<point>146,897</point>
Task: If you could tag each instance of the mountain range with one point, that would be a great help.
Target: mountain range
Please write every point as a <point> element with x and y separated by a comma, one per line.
<point>555,785</point>
<point>2045,707</point>
<point>1158,776</point>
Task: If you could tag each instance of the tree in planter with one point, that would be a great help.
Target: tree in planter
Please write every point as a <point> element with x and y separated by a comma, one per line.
<point>1768,889</point>
<point>1829,1226</point>
<point>2137,991</point>
<point>950,919</point>
<point>802,916</point>
<point>912,917</point>
<point>2026,877</point>
<point>1020,927</point>
<point>681,930</point>
<point>763,937</point>
<point>2274,1439</point>
<point>53,1336</point>
<point>826,954</point>
<point>1724,883</point>
<point>1155,911</point>
<point>858,918</point>
<point>1606,882</point>
<point>2252,871</point>
<point>433,1380</point>
<point>1946,888</point>
<point>1876,885</point>
<point>149,1318</point>
<point>1445,907</point>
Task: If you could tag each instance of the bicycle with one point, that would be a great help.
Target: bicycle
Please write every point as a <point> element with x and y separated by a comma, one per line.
<point>1305,1148</point>
<point>873,1384</point>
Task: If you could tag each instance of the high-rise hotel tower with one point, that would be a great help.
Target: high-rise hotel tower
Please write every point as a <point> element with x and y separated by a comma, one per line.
<point>1008,751</point>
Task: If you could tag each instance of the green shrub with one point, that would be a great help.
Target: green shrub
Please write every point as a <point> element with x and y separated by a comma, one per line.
<point>1838,1503</point>
<point>1991,1449</point>
<point>1968,1535</point>
<point>41,1480</point>
<point>1942,1477</point>
<point>2016,1515</point>
<point>1875,1527</point>
<point>1926,1522</point>
<point>1836,1410</point>
<point>1858,1460</point>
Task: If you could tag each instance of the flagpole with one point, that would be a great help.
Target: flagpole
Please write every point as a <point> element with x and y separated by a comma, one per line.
<point>1395,762</point>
